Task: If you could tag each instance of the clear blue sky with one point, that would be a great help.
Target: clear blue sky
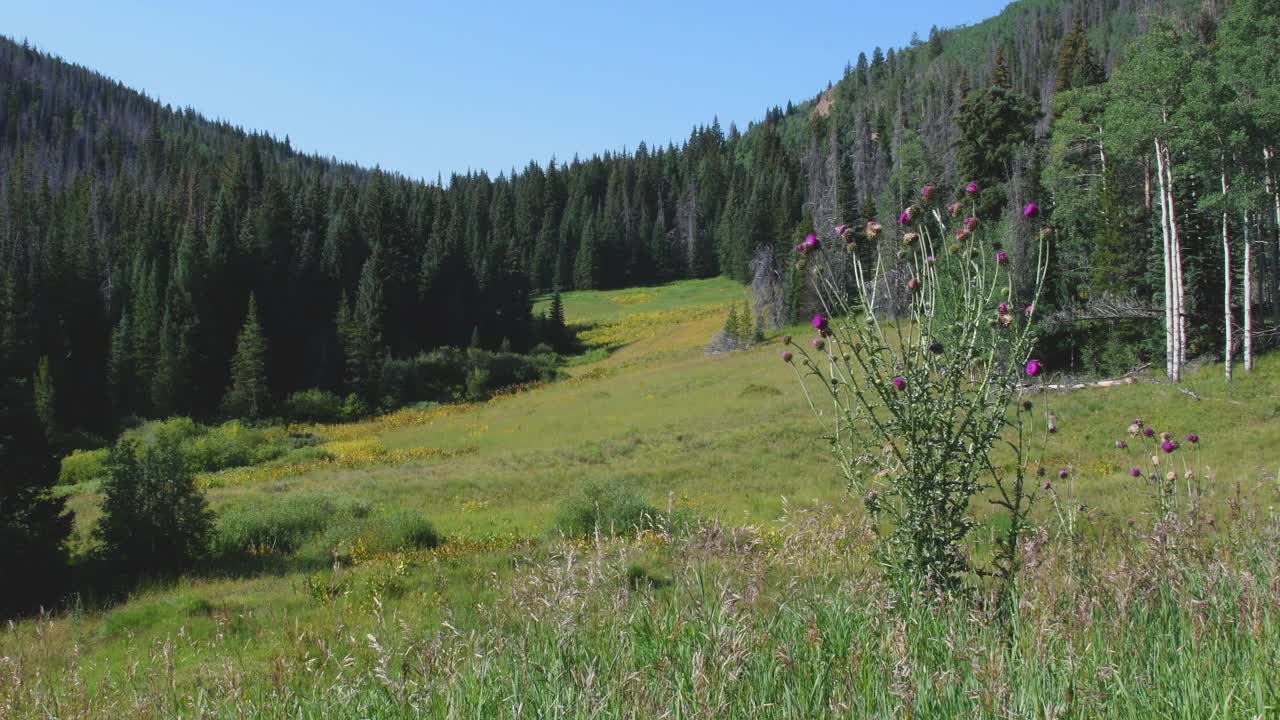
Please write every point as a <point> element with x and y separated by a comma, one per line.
<point>427,87</point>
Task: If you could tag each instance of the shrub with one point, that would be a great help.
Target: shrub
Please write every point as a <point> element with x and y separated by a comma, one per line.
<point>400,530</point>
<point>614,509</point>
<point>280,526</point>
<point>153,516</point>
<point>83,466</point>
<point>228,445</point>
<point>313,406</point>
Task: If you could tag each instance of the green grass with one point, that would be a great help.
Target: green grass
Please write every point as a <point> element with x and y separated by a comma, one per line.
<point>725,438</point>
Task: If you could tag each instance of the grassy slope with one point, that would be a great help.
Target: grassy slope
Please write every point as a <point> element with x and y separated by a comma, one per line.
<point>724,435</point>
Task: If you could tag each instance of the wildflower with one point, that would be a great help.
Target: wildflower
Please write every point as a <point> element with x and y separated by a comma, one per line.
<point>954,209</point>
<point>930,260</point>
<point>1135,471</point>
<point>1165,437</point>
<point>971,188</point>
<point>913,284</point>
<point>871,496</point>
<point>1062,474</point>
<point>1138,422</point>
<point>1171,476</point>
<point>786,356</point>
<point>1047,485</point>
<point>1045,233</point>
<point>899,382</point>
<point>809,244</point>
<point>820,323</point>
<point>786,339</point>
<point>1169,446</point>
<point>1155,460</point>
<point>1033,368</point>
<point>818,343</point>
<point>1030,210</point>
<point>1026,405</point>
<point>905,218</point>
<point>873,229</point>
<point>926,192</point>
<point>851,246</point>
<point>1005,319</point>
<point>1002,258</point>
<point>971,223</point>
<point>1193,438</point>
<point>1029,310</point>
<point>1148,432</point>
<point>962,234</point>
<point>936,348</point>
<point>1002,308</point>
<point>910,238</point>
<point>840,230</point>
<point>1121,444</point>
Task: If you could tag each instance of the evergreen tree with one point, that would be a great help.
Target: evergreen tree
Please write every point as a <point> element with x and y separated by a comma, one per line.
<point>34,523</point>
<point>586,264</point>
<point>248,396</point>
<point>46,397</point>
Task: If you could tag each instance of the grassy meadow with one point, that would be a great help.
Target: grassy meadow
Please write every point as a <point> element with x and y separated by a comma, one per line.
<point>762,603</point>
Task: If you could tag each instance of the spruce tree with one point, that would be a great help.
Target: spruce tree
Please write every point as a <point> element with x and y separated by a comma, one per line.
<point>46,397</point>
<point>248,396</point>
<point>34,523</point>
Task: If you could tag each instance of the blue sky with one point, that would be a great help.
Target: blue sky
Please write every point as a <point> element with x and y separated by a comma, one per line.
<point>426,87</point>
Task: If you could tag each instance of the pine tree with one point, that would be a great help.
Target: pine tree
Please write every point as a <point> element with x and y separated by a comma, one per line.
<point>46,397</point>
<point>556,327</point>
<point>34,523</point>
<point>248,396</point>
<point>586,265</point>
<point>361,330</point>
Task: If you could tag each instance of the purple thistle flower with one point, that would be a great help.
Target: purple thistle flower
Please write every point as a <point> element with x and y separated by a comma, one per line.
<point>930,260</point>
<point>1193,438</point>
<point>1169,446</point>
<point>962,235</point>
<point>970,223</point>
<point>954,209</point>
<point>786,356</point>
<point>1148,432</point>
<point>820,323</point>
<point>1062,474</point>
<point>1121,444</point>
<point>871,496</point>
<point>1002,258</point>
<point>818,343</point>
<point>1135,472</point>
<point>1029,310</point>
<point>926,192</point>
<point>873,229</point>
<point>971,188</point>
<point>899,382</point>
<point>1030,210</point>
<point>913,284</point>
<point>840,229</point>
<point>1033,368</point>
<point>905,218</point>
<point>1047,485</point>
<point>1138,422</point>
<point>1002,308</point>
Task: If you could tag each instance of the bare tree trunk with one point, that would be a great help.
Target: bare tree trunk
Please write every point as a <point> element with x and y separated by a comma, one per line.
<point>1146,185</point>
<point>1268,153</point>
<point>1170,301</point>
<point>1248,298</point>
<point>1228,340</point>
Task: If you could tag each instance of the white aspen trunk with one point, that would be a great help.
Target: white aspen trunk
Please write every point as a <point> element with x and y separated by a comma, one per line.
<point>1175,242</point>
<point>1248,299</point>
<point>1228,340</point>
<point>1171,355</point>
<point>1146,180</point>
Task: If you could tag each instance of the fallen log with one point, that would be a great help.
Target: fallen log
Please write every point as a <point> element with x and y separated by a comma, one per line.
<point>1067,387</point>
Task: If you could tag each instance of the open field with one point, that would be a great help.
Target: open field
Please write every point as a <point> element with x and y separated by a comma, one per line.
<point>768,608</point>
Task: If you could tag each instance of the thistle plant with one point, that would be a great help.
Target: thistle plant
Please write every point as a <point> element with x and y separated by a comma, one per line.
<point>914,406</point>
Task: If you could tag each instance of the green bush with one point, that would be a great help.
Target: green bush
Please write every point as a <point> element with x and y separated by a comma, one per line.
<point>280,526</point>
<point>313,406</point>
<point>401,530</point>
<point>228,445</point>
<point>83,466</point>
<point>614,509</point>
<point>154,518</point>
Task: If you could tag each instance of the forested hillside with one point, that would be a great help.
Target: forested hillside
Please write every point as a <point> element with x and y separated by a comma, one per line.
<point>134,236</point>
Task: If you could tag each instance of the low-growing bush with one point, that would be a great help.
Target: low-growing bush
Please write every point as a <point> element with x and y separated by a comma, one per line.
<point>280,526</point>
<point>313,406</point>
<point>614,509</point>
<point>83,466</point>
<point>228,445</point>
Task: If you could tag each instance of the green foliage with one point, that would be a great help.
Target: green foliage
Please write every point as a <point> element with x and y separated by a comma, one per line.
<point>611,509</point>
<point>34,524</point>
<point>282,526</point>
<point>992,124</point>
<point>248,396</point>
<point>400,530</point>
<point>313,406</point>
<point>228,445</point>
<point>46,397</point>
<point>83,466</point>
<point>154,518</point>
